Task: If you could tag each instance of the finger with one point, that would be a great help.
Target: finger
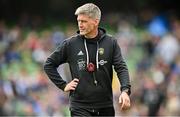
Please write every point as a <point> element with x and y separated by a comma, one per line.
<point>123,103</point>
<point>72,88</point>
<point>128,102</point>
<point>120,99</point>
<point>74,85</point>
<point>126,106</point>
<point>76,80</point>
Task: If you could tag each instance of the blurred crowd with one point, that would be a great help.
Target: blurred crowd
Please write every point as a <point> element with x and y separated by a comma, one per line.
<point>149,43</point>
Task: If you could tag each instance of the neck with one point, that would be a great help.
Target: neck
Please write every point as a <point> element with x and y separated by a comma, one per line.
<point>93,34</point>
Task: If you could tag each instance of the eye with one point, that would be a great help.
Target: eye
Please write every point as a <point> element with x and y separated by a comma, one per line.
<point>82,21</point>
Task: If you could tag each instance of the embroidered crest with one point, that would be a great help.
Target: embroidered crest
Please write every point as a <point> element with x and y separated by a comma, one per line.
<point>81,64</point>
<point>101,51</point>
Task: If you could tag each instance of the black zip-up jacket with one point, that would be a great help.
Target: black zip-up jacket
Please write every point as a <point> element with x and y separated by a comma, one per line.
<point>104,52</point>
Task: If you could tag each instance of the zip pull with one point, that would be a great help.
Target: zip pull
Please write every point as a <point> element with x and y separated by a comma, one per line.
<point>95,81</point>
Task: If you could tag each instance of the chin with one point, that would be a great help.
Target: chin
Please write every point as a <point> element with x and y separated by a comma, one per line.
<point>83,33</point>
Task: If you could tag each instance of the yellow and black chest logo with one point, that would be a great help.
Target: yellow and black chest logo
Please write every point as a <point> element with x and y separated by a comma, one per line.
<point>101,51</point>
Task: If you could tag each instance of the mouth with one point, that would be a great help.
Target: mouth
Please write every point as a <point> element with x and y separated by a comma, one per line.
<point>81,29</point>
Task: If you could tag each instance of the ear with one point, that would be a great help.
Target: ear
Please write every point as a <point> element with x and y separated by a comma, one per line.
<point>96,22</point>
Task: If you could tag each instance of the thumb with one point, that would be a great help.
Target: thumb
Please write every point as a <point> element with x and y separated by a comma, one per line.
<point>120,99</point>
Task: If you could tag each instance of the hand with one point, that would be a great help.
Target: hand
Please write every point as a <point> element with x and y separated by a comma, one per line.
<point>124,101</point>
<point>71,85</point>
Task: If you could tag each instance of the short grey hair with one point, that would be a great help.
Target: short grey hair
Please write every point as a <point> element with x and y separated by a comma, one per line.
<point>89,9</point>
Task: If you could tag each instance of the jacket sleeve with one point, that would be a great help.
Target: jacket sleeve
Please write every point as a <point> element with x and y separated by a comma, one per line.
<point>121,68</point>
<point>56,58</point>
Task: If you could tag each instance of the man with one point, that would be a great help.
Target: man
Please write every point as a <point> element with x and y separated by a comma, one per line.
<point>91,54</point>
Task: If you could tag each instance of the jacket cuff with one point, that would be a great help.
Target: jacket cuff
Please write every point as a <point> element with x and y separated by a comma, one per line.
<point>63,86</point>
<point>126,89</point>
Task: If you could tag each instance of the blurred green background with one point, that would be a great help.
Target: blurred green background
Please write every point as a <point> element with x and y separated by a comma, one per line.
<point>148,32</point>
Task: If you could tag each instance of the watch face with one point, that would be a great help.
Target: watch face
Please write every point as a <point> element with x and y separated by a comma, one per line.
<point>90,67</point>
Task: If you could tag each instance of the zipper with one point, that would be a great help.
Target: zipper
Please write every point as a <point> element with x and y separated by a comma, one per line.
<point>97,59</point>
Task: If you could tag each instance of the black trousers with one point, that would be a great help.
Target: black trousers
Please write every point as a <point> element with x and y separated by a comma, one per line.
<point>79,111</point>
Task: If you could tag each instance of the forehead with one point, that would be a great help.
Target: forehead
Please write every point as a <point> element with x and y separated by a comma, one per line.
<point>83,17</point>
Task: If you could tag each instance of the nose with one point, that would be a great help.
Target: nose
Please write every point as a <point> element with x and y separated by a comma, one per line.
<point>80,25</point>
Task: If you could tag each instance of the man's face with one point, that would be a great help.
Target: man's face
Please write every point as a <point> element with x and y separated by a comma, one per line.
<point>86,24</point>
